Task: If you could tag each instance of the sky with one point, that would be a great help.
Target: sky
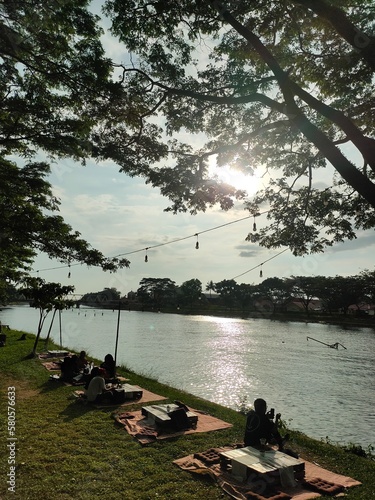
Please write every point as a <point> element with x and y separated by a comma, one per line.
<point>120,215</point>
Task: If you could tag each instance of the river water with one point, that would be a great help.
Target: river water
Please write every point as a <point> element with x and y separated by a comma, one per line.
<point>320,391</point>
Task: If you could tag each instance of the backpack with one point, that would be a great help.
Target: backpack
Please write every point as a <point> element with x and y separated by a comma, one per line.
<point>118,396</point>
<point>179,419</point>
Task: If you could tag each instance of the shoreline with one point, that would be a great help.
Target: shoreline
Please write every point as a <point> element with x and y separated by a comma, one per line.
<point>343,320</point>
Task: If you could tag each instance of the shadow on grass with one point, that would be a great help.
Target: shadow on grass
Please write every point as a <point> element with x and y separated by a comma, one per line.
<point>51,385</point>
<point>76,409</point>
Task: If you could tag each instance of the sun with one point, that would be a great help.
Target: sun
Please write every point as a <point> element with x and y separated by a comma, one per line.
<point>249,183</point>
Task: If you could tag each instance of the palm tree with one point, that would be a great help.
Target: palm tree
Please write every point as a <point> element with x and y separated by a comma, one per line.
<point>210,287</point>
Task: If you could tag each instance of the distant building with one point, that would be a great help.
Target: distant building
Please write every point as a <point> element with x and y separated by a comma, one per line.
<point>362,309</point>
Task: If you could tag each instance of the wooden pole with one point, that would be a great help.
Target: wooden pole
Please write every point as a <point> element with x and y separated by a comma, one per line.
<point>60,327</point>
<point>118,331</point>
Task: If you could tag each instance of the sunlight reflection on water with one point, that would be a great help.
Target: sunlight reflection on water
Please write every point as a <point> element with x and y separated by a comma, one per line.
<point>320,391</point>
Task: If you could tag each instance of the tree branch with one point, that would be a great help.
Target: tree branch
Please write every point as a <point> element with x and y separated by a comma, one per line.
<point>323,144</point>
<point>336,17</point>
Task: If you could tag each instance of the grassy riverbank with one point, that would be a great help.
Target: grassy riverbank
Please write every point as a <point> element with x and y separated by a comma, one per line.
<point>67,450</point>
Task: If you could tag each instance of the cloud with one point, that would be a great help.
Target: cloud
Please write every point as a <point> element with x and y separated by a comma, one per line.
<point>248,254</point>
<point>363,241</point>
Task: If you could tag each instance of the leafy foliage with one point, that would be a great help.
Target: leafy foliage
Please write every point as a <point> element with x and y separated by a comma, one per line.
<point>280,88</point>
<point>191,290</point>
<point>54,76</point>
<point>54,85</point>
<point>156,291</point>
<point>335,293</point>
<point>108,297</point>
<point>45,297</point>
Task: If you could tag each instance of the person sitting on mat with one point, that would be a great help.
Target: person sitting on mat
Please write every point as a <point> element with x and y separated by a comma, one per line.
<point>69,368</point>
<point>82,361</point>
<point>109,366</point>
<point>260,426</point>
<point>97,391</point>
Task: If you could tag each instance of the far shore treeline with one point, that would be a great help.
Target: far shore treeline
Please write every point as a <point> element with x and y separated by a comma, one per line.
<point>311,296</point>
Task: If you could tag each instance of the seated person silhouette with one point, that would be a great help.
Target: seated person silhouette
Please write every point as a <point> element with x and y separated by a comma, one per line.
<point>69,368</point>
<point>97,391</point>
<point>109,366</point>
<point>82,361</point>
<point>260,426</point>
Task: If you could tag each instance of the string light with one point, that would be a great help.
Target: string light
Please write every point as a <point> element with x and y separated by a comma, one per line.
<point>69,273</point>
<point>169,243</point>
<point>261,271</point>
<point>158,245</point>
<point>260,265</point>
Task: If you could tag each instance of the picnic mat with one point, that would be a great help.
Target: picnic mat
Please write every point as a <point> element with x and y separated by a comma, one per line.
<point>52,366</point>
<point>146,431</point>
<point>319,479</point>
<point>54,355</point>
<point>147,397</point>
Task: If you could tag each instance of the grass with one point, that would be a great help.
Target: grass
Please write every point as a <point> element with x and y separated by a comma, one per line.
<point>67,450</point>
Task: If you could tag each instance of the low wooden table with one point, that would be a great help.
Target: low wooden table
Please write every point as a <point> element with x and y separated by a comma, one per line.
<point>131,391</point>
<point>159,414</point>
<point>252,464</point>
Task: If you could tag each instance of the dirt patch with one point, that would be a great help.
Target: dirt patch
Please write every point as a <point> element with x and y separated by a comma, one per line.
<point>23,389</point>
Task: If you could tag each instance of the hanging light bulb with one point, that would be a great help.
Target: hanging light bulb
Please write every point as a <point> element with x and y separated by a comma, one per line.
<point>261,273</point>
<point>146,258</point>
<point>254,225</point>
<point>197,243</point>
<point>69,273</point>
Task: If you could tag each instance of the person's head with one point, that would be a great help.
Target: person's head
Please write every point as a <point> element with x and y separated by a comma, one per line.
<point>82,354</point>
<point>95,371</point>
<point>108,358</point>
<point>260,406</point>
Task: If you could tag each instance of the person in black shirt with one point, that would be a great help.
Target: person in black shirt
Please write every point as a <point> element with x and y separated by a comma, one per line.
<point>259,425</point>
<point>109,366</point>
<point>69,368</point>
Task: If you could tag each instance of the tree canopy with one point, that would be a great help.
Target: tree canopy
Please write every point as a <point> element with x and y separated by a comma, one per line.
<point>191,291</point>
<point>54,83</point>
<point>285,88</point>
<point>309,294</point>
<point>45,297</point>
<point>156,291</point>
